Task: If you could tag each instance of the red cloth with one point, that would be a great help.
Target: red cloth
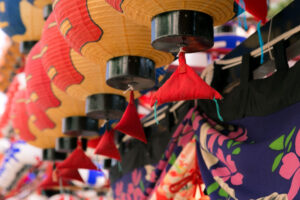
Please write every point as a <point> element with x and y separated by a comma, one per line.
<point>184,84</point>
<point>258,8</point>
<point>69,174</point>
<point>48,182</point>
<point>92,143</point>
<point>107,146</point>
<point>77,160</point>
<point>130,123</point>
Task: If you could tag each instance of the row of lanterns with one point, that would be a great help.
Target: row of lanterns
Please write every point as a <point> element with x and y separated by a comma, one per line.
<point>84,43</point>
<point>90,51</point>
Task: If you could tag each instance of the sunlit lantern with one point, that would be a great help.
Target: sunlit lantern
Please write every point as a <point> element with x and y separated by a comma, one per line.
<point>22,21</point>
<point>94,29</point>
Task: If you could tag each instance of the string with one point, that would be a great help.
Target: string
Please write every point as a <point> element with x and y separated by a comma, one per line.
<point>218,110</point>
<point>155,113</point>
<point>241,10</point>
<point>130,88</point>
<point>269,36</point>
<point>261,43</point>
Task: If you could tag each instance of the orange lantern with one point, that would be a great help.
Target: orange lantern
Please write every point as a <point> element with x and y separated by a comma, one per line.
<point>48,106</point>
<point>186,24</point>
<point>41,3</point>
<point>11,92</point>
<point>4,78</point>
<point>100,33</point>
<point>75,74</point>
<point>19,116</point>
<point>21,21</point>
<point>46,5</point>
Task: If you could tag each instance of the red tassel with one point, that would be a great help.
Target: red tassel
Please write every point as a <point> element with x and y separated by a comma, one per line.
<point>76,160</point>
<point>48,182</point>
<point>107,147</point>
<point>69,174</point>
<point>184,84</point>
<point>258,8</point>
<point>130,123</point>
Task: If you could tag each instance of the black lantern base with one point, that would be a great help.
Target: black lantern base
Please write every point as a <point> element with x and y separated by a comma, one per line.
<point>52,155</point>
<point>139,72</point>
<point>105,106</point>
<point>26,46</point>
<point>190,30</point>
<point>80,126</point>
<point>47,11</point>
<point>68,144</point>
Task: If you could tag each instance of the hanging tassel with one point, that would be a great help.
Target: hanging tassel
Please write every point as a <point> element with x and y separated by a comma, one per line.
<point>218,110</point>
<point>261,43</point>
<point>130,123</point>
<point>155,113</point>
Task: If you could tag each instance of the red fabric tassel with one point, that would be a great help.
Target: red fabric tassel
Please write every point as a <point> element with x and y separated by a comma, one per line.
<point>195,178</point>
<point>184,84</point>
<point>107,146</point>
<point>77,160</point>
<point>48,182</point>
<point>257,8</point>
<point>130,123</point>
<point>92,143</point>
<point>69,174</point>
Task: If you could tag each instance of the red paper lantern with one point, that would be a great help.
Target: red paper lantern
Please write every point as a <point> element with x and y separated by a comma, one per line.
<point>176,24</point>
<point>100,33</point>
<point>68,70</point>
<point>47,104</point>
<point>39,91</point>
<point>11,92</point>
<point>20,117</point>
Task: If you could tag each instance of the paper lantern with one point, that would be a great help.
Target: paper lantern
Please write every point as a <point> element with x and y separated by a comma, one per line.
<point>39,90</point>
<point>21,21</point>
<point>17,158</point>
<point>46,5</point>
<point>41,3</point>
<point>4,80</point>
<point>11,92</point>
<point>76,75</point>
<point>48,106</point>
<point>178,23</point>
<point>94,29</point>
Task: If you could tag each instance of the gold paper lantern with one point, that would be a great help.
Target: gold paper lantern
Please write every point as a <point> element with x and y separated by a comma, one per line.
<point>103,35</point>
<point>71,72</point>
<point>51,109</point>
<point>22,21</point>
<point>176,24</point>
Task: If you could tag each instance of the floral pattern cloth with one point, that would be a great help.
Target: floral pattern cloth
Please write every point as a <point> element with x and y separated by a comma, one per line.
<point>139,184</point>
<point>178,183</point>
<point>251,158</point>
